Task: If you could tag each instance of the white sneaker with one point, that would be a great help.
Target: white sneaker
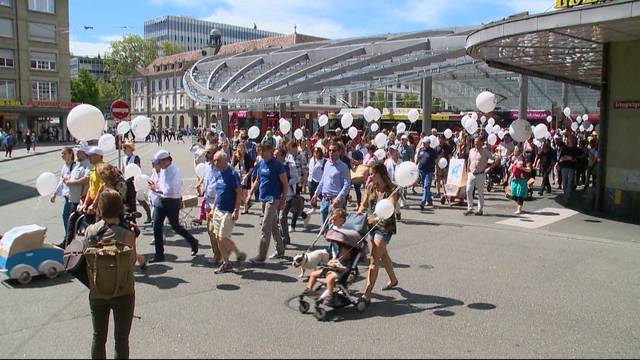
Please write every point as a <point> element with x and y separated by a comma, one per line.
<point>291,229</point>
<point>306,220</point>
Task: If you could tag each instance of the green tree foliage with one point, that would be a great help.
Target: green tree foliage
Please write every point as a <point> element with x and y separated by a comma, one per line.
<point>378,100</point>
<point>84,89</point>
<point>170,48</point>
<point>125,55</point>
<point>108,93</point>
<point>409,100</point>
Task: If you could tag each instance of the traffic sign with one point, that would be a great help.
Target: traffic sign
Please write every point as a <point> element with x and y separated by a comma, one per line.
<point>120,109</point>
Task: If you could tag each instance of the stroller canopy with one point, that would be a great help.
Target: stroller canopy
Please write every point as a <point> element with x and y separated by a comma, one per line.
<point>343,236</point>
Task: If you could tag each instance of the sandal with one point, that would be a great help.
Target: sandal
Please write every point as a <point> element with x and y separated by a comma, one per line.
<point>390,287</point>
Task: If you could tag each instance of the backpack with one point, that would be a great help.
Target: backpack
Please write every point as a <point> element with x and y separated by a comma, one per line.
<point>108,269</point>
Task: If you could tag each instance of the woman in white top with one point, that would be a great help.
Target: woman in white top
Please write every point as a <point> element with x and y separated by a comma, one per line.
<point>62,189</point>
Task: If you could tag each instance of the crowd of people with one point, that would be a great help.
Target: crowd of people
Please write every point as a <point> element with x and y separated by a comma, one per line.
<point>9,139</point>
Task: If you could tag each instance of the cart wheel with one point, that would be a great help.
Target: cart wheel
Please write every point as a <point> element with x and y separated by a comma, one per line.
<point>361,306</point>
<point>443,199</point>
<point>52,272</point>
<point>24,278</point>
<point>320,314</point>
<point>304,306</point>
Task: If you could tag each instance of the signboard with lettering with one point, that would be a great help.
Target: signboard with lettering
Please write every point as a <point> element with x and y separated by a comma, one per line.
<point>626,105</point>
<point>10,103</point>
<point>566,4</point>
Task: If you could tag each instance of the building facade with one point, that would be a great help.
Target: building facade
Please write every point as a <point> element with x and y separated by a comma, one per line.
<point>193,34</point>
<point>35,77</point>
<point>94,65</point>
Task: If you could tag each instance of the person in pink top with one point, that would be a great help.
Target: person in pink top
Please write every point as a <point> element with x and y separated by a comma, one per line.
<point>477,167</point>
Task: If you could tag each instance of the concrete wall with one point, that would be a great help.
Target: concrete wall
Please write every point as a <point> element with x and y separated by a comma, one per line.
<point>622,185</point>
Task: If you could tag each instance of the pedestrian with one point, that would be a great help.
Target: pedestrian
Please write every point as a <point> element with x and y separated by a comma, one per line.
<point>271,179</point>
<point>130,158</point>
<point>594,159</point>
<point>78,184</point>
<point>316,168</point>
<point>334,186</point>
<point>28,140</point>
<point>381,187</point>
<point>62,189</point>
<point>226,209</point>
<point>477,167</point>
<point>111,208</point>
<point>444,151</point>
<point>568,158</point>
<point>292,180</point>
<point>206,187</point>
<point>357,159</point>
<point>169,189</point>
<point>544,164</point>
<point>243,164</point>
<point>519,174</point>
<point>8,143</point>
<point>426,161</point>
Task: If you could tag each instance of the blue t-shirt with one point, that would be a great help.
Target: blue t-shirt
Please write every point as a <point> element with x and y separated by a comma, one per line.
<point>269,173</point>
<point>226,182</point>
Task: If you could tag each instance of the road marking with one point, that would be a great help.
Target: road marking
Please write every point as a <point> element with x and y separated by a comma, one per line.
<point>539,218</point>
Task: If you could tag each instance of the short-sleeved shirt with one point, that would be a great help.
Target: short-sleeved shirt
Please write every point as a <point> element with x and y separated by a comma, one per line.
<point>427,159</point>
<point>95,183</point>
<point>226,183</point>
<point>479,160</point>
<point>269,173</point>
<point>77,191</point>
<point>572,152</point>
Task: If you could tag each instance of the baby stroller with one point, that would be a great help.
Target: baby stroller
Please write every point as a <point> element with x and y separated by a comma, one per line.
<point>341,297</point>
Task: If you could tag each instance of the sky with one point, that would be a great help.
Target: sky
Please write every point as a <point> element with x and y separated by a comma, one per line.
<point>334,19</point>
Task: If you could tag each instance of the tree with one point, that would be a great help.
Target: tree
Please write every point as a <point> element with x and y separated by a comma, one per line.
<point>170,48</point>
<point>409,100</point>
<point>378,100</point>
<point>107,94</point>
<point>84,89</point>
<point>125,55</point>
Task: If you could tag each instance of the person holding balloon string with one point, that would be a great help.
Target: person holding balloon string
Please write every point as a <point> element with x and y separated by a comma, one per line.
<point>519,170</point>
<point>131,158</point>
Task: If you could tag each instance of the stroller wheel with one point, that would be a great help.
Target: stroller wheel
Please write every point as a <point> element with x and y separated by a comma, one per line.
<point>443,199</point>
<point>361,306</point>
<point>320,314</point>
<point>304,306</point>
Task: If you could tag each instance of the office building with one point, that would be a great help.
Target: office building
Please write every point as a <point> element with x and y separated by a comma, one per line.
<point>193,34</point>
<point>34,66</point>
<point>94,65</point>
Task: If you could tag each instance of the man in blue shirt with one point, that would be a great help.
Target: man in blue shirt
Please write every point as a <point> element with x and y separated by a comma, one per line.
<point>426,160</point>
<point>226,208</point>
<point>334,186</point>
<point>273,186</point>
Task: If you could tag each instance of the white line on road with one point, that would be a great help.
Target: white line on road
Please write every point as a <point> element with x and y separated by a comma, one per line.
<point>539,218</point>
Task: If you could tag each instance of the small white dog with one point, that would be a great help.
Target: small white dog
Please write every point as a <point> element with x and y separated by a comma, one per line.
<point>310,260</point>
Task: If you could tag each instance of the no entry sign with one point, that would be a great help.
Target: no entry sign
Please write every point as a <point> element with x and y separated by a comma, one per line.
<point>119,109</point>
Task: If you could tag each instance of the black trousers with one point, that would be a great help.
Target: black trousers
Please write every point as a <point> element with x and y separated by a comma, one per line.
<point>122,308</point>
<point>169,208</point>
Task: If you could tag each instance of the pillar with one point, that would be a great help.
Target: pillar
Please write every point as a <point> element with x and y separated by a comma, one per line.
<point>426,91</point>
<point>523,102</point>
<point>224,118</point>
<point>565,103</point>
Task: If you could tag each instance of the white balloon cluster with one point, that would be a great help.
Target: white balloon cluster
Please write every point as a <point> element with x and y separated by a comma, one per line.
<point>85,122</point>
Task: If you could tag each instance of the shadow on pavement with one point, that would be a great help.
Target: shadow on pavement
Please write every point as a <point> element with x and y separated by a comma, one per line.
<point>267,276</point>
<point>18,192</point>
<point>38,282</point>
<point>153,276</point>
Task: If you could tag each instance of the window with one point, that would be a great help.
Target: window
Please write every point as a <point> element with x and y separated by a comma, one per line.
<point>44,90</point>
<point>48,6</point>
<point>7,89</point>
<point>43,61</point>
<point>42,32</point>
<point>6,58</point>
<point>6,27</point>
<point>5,3</point>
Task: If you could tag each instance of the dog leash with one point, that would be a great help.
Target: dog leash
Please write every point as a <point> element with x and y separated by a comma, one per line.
<point>319,235</point>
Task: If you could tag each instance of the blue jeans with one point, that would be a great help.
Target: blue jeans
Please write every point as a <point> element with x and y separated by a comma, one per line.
<point>427,178</point>
<point>169,208</point>
<point>325,208</point>
<point>67,209</point>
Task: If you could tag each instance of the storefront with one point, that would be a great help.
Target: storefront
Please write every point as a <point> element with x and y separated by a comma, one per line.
<point>47,119</point>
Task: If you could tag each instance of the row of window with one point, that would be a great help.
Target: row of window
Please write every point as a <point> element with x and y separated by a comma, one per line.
<point>39,60</point>
<point>46,6</point>
<point>40,90</point>
<point>159,85</point>
<point>37,31</point>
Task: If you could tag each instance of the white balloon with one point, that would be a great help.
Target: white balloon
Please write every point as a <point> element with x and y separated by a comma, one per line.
<point>323,120</point>
<point>369,113</point>
<point>474,116</point>
<point>141,127</point>
<point>285,127</point>
<point>384,209</point>
<point>380,154</point>
<point>85,122</point>
<point>200,170</point>
<point>488,129</point>
<point>433,141</point>
<point>141,182</point>
<point>567,111</point>
<point>537,142</point>
<point>590,127</point>
<point>376,114</point>
<point>574,126</point>
<point>375,127</point>
<point>131,171</point>
<point>107,142</point>
<point>253,132</point>
<point>520,130</point>
<point>448,133</point>
<point>483,119</point>
<point>46,184</point>
<point>281,120</point>
<point>540,131</point>
<point>298,134</point>
<point>472,126</point>
<point>582,128</point>
<point>578,119</point>
<point>464,121</point>
<point>492,139</point>
<point>549,118</point>
<point>123,127</point>
<point>406,173</point>
<point>380,140</point>
<point>346,121</point>
<point>442,163</point>
<point>491,121</point>
<point>353,132</point>
<point>486,101</point>
<point>413,115</point>
<point>401,128</point>
<point>585,117</point>
<point>501,134</point>
<point>496,129</point>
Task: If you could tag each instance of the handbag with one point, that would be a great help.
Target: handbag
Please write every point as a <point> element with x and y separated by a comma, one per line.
<point>360,174</point>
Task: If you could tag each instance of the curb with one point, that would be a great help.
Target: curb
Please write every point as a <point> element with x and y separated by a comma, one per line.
<point>30,155</point>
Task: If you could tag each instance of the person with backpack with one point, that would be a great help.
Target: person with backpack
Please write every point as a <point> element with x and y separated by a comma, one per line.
<point>110,257</point>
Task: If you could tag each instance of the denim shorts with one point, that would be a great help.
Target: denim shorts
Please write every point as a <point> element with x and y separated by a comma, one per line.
<point>380,236</point>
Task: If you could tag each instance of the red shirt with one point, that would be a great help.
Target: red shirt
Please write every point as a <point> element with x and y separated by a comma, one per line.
<point>518,169</point>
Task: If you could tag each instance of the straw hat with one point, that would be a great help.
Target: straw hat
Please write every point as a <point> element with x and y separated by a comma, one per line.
<point>129,144</point>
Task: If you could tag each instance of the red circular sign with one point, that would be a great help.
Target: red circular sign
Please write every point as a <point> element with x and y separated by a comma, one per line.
<point>119,109</point>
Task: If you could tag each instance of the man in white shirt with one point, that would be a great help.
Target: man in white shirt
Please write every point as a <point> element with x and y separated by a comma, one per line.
<point>169,190</point>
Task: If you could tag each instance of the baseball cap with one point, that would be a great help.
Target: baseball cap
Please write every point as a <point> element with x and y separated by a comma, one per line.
<point>82,148</point>
<point>269,141</point>
<point>94,150</point>
<point>404,137</point>
<point>161,155</point>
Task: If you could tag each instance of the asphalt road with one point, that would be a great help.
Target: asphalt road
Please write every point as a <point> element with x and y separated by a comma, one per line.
<point>469,287</point>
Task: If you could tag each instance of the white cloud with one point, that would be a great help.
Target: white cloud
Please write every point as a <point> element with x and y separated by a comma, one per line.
<point>532,6</point>
<point>84,48</point>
